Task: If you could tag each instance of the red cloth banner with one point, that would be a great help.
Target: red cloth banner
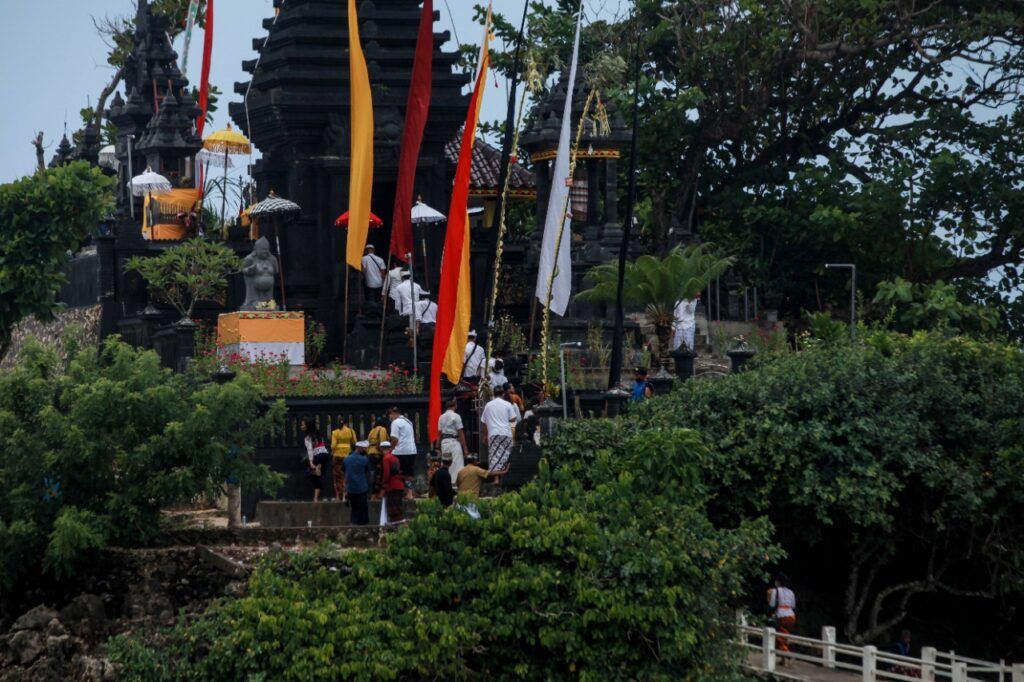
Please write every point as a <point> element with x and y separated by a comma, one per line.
<point>417,108</point>
<point>204,78</point>
<point>453,299</point>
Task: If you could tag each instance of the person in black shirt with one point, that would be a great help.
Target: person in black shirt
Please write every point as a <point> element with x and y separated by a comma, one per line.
<point>441,482</point>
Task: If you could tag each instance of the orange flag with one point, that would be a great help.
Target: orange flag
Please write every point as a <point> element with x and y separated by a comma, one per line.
<point>454,300</point>
<point>360,185</point>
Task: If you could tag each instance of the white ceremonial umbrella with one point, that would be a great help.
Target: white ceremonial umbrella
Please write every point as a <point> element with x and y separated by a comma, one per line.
<point>150,183</point>
<point>108,157</point>
<point>215,159</point>
<point>421,213</point>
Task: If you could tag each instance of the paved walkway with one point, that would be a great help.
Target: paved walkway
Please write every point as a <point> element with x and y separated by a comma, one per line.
<point>803,672</point>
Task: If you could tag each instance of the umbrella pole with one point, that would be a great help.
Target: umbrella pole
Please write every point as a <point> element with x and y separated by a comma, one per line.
<point>280,265</point>
<point>224,203</point>
<point>426,263</point>
<point>344,324</point>
<point>383,316</point>
<point>202,193</point>
<point>412,315</point>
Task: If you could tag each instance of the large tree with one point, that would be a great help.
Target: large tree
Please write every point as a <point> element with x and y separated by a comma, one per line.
<point>796,132</point>
<point>43,218</point>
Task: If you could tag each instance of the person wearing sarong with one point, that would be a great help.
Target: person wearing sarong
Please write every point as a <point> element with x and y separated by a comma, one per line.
<point>452,437</point>
<point>684,327</point>
<point>497,420</point>
<point>782,603</point>
<point>394,484</point>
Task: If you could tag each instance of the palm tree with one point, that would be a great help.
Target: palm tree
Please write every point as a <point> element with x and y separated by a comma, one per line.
<point>656,285</point>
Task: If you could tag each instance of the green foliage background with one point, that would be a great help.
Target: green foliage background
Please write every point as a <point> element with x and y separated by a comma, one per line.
<point>92,451</point>
<point>609,570</point>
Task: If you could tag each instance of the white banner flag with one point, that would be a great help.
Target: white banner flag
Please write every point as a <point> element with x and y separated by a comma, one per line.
<point>190,23</point>
<point>555,273</point>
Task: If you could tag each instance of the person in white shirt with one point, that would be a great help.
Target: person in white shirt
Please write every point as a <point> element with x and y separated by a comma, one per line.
<point>498,378</point>
<point>403,438</point>
<point>782,602</point>
<point>407,293</point>
<point>685,324</point>
<point>474,360</point>
<point>392,282</point>
<point>374,271</point>
<point>452,437</point>
<point>426,313</point>
<point>497,421</point>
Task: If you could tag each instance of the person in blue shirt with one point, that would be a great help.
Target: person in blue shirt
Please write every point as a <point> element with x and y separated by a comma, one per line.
<point>642,388</point>
<point>357,484</point>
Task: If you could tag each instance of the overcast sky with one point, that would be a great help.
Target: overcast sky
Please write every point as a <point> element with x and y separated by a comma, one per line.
<point>54,63</point>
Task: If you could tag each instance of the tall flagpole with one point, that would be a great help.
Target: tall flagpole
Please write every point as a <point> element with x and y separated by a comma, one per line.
<point>509,145</point>
<point>615,372</point>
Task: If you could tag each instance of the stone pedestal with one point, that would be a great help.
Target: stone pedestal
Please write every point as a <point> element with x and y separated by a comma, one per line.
<point>683,359</point>
<point>263,336</point>
<point>738,358</point>
<point>614,401</point>
<point>661,382</point>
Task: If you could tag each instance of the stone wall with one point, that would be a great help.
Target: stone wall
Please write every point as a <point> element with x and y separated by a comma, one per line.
<point>87,318</point>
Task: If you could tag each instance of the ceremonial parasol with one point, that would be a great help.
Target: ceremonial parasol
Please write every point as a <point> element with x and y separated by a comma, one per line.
<point>208,158</point>
<point>342,221</point>
<point>150,183</point>
<point>421,213</point>
<point>227,141</point>
<point>108,157</point>
<point>274,207</point>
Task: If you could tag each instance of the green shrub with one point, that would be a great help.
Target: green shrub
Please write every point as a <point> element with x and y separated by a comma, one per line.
<point>90,452</point>
<point>598,572</point>
<point>900,459</point>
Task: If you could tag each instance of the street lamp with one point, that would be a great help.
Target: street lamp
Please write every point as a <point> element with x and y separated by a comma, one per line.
<point>853,293</point>
<point>561,360</point>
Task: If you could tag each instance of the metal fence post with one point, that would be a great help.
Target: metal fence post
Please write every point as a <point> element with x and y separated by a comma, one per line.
<point>928,656</point>
<point>870,664</point>
<point>959,672</point>
<point>768,650</point>
<point>828,650</point>
<point>1018,672</point>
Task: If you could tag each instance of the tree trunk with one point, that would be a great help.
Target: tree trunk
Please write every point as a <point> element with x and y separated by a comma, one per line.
<point>664,334</point>
<point>40,151</point>
<point>101,103</point>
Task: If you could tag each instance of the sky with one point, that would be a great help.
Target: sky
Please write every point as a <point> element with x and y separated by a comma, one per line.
<point>54,63</point>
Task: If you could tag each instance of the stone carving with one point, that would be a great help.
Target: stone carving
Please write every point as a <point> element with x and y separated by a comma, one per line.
<point>260,271</point>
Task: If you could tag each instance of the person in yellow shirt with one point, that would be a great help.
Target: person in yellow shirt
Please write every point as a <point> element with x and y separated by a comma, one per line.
<point>343,441</point>
<point>378,433</point>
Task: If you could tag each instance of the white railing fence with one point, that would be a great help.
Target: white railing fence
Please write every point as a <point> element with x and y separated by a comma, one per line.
<point>867,662</point>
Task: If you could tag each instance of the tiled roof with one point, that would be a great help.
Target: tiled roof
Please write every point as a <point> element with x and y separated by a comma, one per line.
<point>486,168</point>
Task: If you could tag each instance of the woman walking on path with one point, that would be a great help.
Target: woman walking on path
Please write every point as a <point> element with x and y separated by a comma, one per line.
<point>782,603</point>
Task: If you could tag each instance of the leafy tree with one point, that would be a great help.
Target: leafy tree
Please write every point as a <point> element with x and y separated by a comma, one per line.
<point>809,131</point>
<point>897,465</point>
<point>656,285</point>
<point>92,451</point>
<point>43,218</point>
<point>921,306</point>
<point>609,571</point>
<point>193,271</point>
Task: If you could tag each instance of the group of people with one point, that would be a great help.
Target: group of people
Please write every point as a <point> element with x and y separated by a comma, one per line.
<point>407,297</point>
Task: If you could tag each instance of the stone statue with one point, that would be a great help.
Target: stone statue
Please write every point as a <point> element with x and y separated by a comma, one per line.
<point>260,271</point>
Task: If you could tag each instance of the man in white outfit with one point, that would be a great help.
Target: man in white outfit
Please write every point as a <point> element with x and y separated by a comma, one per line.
<point>685,325</point>
<point>391,285</point>
<point>407,293</point>
<point>374,271</point>
<point>426,312</point>
<point>474,359</point>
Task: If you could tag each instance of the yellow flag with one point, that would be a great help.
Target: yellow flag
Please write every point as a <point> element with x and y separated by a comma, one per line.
<point>360,186</point>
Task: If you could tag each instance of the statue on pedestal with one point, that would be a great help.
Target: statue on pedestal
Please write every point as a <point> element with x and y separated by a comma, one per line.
<point>260,271</point>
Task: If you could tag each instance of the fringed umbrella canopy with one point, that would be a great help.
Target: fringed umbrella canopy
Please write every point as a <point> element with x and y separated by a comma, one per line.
<point>342,221</point>
<point>215,159</point>
<point>421,213</point>
<point>228,141</point>
<point>150,183</point>
<point>274,205</point>
<point>108,157</point>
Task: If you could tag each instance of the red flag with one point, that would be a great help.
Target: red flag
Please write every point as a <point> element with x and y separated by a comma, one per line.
<point>453,299</point>
<point>416,109</point>
<point>204,79</point>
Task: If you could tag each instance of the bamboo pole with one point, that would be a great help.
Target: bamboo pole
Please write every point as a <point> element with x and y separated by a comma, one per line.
<point>545,330</point>
<point>383,314</point>
<point>344,322</point>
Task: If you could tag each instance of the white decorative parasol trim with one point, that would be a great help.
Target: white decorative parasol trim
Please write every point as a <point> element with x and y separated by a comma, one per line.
<point>421,213</point>
<point>150,183</point>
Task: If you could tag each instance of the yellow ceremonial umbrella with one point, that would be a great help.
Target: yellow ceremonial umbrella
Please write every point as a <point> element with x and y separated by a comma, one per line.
<point>227,141</point>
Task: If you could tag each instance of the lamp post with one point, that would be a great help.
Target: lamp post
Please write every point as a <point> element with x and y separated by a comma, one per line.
<point>561,360</point>
<point>853,293</point>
